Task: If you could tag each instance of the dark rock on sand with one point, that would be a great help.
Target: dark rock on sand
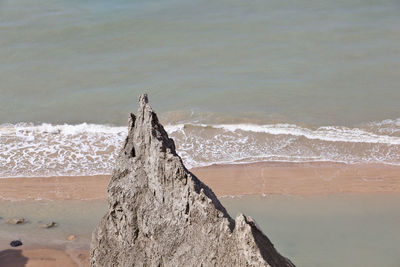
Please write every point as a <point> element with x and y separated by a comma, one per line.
<point>160,214</point>
<point>16,243</point>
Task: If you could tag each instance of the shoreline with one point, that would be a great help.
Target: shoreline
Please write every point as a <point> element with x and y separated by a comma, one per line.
<point>262,178</point>
<point>257,179</point>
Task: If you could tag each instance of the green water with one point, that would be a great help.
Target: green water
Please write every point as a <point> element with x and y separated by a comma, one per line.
<point>328,231</point>
<point>307,62</point>
<point>77,218</point>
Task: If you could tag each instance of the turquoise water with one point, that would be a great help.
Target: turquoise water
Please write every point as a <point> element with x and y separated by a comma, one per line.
<point>234,81</point>
<point>304,62</point>
<point>329,231</point>
<point>77,218</point>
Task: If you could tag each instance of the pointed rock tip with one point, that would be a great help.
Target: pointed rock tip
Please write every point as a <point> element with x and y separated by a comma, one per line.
<point>143,99</point>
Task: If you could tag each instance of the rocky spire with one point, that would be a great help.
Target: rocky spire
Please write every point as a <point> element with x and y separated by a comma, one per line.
<point>160,214</point>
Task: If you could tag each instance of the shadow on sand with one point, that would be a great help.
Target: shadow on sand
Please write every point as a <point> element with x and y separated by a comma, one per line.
<point>12,257</point>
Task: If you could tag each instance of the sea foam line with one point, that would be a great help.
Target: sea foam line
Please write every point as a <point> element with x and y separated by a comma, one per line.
<point>90,149</point>
<point>325,133</point>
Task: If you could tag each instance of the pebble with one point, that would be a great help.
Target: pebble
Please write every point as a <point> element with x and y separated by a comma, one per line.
<point>16,243</point>
<point>16,221</point>
<point>49,225</point>
<point>71,237</point>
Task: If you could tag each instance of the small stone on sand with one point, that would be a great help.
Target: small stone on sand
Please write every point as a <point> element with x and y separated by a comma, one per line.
<point>49,225</point>
<point>16,221</point>
<point>71,237</point>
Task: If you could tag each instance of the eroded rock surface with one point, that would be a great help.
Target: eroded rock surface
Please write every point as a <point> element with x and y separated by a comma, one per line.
<point>160,214</point>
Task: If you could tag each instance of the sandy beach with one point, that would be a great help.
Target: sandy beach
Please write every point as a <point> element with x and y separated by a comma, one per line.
<point>278,178</point>
<point>303,179</point>
<point>43,258</point>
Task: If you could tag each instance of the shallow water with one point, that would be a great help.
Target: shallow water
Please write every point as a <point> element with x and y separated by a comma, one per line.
<point>329,231</point>
<point>337,230</point>
<point>77,218</point>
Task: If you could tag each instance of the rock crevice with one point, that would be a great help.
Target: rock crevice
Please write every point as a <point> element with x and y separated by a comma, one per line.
<point>160,214</point>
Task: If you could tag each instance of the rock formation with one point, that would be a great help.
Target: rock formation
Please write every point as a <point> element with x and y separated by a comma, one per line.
<point>160,214</point>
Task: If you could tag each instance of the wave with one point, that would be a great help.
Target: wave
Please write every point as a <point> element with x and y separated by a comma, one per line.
<point>54,150</point>
<point>326,133</point>
<point>28,150</point>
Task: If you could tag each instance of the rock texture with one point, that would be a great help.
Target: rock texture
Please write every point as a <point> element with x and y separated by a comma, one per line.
<point>160,214</point>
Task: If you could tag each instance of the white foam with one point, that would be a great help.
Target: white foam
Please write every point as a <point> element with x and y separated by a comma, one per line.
<point>91,149</point>
<point>326,133</point>
<point>48,150</point>
<point>244,143</point>
<point>65,129</point>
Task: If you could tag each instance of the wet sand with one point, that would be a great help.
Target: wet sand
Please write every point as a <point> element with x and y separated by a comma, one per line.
<point>278,178</point>
<point>43,258</point>
<point>54,188</point>
<point>303,179</point>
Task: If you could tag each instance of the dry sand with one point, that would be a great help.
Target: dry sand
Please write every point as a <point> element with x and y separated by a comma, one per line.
<point>241,179</point>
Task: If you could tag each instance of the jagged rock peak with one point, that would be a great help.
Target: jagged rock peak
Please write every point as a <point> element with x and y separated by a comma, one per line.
<point>145,132</point>
<point>160,214</point>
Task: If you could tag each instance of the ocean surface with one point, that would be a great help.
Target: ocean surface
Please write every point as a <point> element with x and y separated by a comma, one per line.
<point>233,81</point>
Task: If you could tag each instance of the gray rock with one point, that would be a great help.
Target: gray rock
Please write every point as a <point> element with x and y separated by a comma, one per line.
<point>160,214</point>
<point>49,225</point>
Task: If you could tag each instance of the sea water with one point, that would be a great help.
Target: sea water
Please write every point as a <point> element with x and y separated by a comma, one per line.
<point>78,218</point>
<point>328,231</point>
<point>235,81</point>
